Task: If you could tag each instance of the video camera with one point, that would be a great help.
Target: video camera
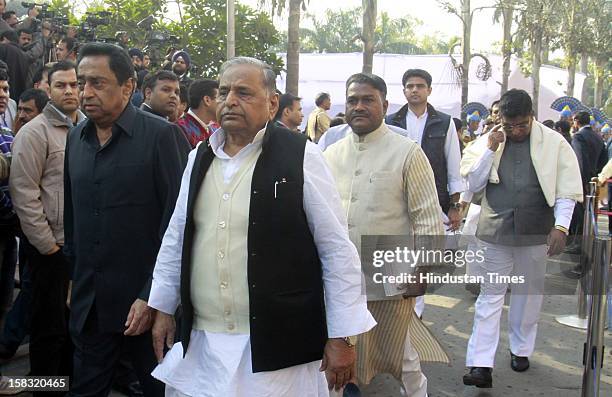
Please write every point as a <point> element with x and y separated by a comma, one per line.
<point>56,20</point>
<point>93,20</point>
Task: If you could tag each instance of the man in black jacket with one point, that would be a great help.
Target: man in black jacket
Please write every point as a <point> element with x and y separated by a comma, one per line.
<point>122,175</point>
<point>258,254</point>
<point>592,157</point>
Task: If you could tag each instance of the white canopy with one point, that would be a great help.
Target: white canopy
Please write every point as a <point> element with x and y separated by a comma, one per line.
<point>329,72</point>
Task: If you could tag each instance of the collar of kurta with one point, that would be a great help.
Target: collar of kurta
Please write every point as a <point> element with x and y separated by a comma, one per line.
<point>372,136</point>
<point>217,141</point>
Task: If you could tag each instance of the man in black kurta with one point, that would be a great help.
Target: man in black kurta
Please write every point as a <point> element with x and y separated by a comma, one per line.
<point>123,171</point>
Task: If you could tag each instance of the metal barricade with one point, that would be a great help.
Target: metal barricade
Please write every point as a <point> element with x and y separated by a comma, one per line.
<point>593,354</point>
<point>579,320</point>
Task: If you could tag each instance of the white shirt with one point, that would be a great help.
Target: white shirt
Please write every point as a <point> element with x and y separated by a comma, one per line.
<point>215,363</point>
<point>415,125</point>
<point>478,178</point>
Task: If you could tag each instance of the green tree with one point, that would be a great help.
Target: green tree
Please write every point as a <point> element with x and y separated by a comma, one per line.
<point>124,16</point>
<point>537,20</point>
<point>293,38</point>
<point>204,26</point>
<point>336,32</point>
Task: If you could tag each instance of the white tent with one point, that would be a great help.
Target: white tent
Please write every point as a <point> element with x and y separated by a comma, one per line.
<point>328,72</point>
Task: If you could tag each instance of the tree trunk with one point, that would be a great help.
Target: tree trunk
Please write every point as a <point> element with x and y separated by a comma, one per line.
<point>231,30</point>
<point>545,50</point>
<point>507,47</point>
<point>600,65</point>
<point>584,69</point>
<point>536,63</point>
<point>367,34</point>
<point>584,63</point>
<point>293,48</point>
<point>467,56</point>
<point>571,74</point>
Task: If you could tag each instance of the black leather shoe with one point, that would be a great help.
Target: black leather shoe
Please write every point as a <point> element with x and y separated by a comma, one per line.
<point>479,377</point>
<point>132,389</point>
<point>6,353</point>
<point>518,363</point>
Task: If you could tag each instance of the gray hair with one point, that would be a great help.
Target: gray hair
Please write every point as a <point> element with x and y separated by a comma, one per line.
<point>269,77</point>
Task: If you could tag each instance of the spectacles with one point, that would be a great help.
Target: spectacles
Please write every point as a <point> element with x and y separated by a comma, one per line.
<point>519,126</point>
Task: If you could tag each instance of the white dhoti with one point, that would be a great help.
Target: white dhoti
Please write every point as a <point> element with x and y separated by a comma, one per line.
<point>525,302</point>
<point>220,365</point>
<point>413,379</point>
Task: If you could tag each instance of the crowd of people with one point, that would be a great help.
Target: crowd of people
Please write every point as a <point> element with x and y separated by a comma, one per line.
<point>145,208</point>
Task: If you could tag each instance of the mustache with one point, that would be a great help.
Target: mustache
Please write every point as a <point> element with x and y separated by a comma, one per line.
<point>231,113</point>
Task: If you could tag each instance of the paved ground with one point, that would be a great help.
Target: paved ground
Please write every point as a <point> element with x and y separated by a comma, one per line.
<point>556,367</point>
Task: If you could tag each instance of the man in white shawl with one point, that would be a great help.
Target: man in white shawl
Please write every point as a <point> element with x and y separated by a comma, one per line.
<point>531,182</point>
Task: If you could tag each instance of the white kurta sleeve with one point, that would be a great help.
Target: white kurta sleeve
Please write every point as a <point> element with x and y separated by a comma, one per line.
<point>478,177</point>
<point>165,290</point>
<point>564,208</point>
<point>345,298</point>
<point>452,152</point>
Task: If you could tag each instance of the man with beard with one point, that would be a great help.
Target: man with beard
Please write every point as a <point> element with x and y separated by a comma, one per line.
<point>161,94</point>
<point>137,58</point>
<point>31,104</point>
<point>181,61</point>
<point>37,185</point>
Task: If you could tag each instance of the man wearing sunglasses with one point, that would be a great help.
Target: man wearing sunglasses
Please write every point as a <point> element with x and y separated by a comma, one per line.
<point>531,181</point>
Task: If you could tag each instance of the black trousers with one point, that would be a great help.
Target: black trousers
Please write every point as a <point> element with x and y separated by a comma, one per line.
<point>50,344</point>
<point>96,355</point>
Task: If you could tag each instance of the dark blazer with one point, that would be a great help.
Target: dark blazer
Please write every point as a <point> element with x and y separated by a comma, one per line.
<point>118,201</point>
<point>591,152</point>
<point>18,66</point>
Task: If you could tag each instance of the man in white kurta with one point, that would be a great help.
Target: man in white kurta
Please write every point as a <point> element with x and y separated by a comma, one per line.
<point>219,359</point>
<point>387,189</point>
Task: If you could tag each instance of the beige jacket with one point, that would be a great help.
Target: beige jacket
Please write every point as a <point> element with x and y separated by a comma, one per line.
<point>318,124</point>
<point>36,182</point>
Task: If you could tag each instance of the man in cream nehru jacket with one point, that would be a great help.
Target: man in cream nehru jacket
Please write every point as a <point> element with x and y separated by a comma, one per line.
<point>387,188</point>
<point>258,255</point>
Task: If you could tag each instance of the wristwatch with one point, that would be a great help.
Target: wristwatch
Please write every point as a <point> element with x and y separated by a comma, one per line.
<point>456,205</point>
<point>351,341</point>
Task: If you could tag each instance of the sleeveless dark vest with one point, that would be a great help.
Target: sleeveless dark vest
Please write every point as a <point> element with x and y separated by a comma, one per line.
<point>286,303</point>
<point>434,136</point>
<point>514,211</point>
